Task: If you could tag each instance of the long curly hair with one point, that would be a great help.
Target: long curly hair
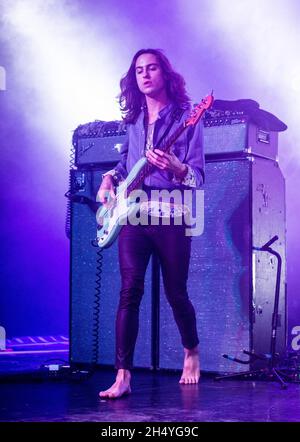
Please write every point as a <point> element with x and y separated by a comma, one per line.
<point>131,99</point>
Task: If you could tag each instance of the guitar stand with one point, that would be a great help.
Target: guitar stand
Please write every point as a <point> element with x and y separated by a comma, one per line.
<point>270,372</point>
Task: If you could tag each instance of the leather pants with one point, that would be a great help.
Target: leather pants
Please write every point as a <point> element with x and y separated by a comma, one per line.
<point>136,244</point>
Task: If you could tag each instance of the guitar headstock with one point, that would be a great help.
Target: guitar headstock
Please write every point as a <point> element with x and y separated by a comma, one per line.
<point>199,110</point>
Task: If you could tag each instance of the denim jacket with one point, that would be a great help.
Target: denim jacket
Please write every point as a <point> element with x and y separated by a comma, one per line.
<point>188,148</point>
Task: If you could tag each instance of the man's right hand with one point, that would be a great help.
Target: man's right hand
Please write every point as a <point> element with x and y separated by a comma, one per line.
<point>106,189</point>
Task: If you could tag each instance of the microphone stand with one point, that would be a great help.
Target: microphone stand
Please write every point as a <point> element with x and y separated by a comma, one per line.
<point>270,372</point>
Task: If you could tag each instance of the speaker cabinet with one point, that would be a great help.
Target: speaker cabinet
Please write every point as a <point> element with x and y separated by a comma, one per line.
<point>238,136</point>
<point>232,286</point>
<point>95,284</point>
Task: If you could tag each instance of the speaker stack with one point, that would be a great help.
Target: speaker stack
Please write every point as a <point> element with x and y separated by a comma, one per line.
<point>231,283</point>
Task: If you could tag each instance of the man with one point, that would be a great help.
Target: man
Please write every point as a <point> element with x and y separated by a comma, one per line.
<point>154,101</point>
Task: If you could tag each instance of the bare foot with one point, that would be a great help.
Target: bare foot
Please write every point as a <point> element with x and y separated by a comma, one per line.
<point>120,387</point>
<point>191,367</point>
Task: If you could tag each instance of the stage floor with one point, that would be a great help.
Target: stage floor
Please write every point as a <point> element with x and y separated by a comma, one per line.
<point>156,397</point>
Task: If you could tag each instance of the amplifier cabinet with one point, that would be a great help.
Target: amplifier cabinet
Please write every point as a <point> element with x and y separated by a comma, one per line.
<point>92,313</point>
<point>232,286</point>
<point>221,137</point>
<point>238,136</point>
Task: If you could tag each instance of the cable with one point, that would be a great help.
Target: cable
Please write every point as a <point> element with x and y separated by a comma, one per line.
<point>68,211</point>
<point>96,308</point>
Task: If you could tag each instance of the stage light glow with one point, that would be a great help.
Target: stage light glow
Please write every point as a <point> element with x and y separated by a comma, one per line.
<point>71,72</point>
<point>260,43</point>
<point>295,80</point>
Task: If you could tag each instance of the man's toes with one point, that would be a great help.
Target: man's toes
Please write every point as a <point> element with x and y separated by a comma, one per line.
<point>188,380</point>
<point>106,393</point>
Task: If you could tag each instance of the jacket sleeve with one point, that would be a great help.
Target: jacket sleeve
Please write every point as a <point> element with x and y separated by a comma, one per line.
<point>194,158</point>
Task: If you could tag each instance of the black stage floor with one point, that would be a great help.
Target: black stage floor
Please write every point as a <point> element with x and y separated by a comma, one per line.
<point>156,397</point>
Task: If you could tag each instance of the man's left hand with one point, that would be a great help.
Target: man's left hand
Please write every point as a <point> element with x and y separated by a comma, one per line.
<point>169,161</point>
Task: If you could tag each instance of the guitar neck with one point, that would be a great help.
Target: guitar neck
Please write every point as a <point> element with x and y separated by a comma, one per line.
<point>165,147</point>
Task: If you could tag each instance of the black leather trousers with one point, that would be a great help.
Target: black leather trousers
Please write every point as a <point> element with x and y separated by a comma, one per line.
<point>136,244</point>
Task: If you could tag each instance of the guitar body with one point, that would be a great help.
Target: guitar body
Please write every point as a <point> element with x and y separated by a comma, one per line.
<point>113,217</point>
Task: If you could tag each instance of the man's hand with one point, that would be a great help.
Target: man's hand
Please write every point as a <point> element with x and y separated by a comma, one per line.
<point>167,161</point>
<point>106,189</point>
